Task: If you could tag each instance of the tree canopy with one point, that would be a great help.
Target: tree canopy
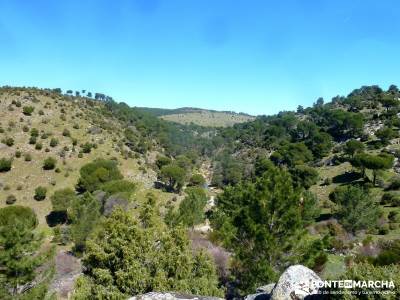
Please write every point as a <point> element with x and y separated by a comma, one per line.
<point>259,221</point>
<point>137,258</point>
<point>96,173</point>
<point>356,208</point>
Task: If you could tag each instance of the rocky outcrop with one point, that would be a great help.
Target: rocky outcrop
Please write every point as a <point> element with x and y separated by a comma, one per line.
<point>296,283</point>
<point>113,202</point>
<point>170,296</point>
<point>267,289</point>
<point>67,269</point>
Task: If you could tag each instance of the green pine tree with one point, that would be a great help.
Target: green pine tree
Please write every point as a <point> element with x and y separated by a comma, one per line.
<point>259,222</point>
<point>127,256</point>
<point>84,214</point>
<point>19,255</point>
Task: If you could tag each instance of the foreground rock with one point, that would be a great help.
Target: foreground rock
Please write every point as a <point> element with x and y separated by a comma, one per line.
<point>68,269</point>
<point>296,283</point>
<point>170,296</point>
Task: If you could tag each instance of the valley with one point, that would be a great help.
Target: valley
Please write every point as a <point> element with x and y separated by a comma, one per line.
<point>324,176</point>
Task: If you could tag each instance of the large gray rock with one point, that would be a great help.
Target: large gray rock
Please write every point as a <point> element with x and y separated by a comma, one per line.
<point>170,296</point>
<point>100,196</point>
<point>258,296</point>
<point>266,288</point>
<point>113,202</point>
<point>262,292</point>
<point>296,283</point>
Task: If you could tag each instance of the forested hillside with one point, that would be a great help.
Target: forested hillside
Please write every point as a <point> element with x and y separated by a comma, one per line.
<point>134,203</point>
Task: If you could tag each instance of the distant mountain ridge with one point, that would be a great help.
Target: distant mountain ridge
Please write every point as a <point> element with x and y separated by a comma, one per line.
<point>183,110</point>
<point>198,116</point>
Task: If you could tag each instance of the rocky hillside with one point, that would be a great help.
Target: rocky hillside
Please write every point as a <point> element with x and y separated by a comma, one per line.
<point>36,125</point>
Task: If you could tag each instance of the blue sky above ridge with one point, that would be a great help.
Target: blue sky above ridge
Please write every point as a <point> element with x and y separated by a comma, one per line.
<point>257,57</point>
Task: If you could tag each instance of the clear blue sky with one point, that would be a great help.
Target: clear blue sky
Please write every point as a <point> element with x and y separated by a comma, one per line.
<point>258,57</point>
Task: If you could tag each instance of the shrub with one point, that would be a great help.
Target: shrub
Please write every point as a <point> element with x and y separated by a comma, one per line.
<point>172,266</point>
<point>61,235</point>
<point>28,157</point>
<point>32,140</point>
<point>5,164</point>
<point>390,253</point>
<point>119,186</point>
<point>84,214</point>
<point>357,209</point>
<point>364,272</point>
<point>383,229</point>
<point>197,180</point>
<point>11,199</point>
<point>38,146</point>
<point>28,110</point>
<point>304,176</point>
<point>394,216</point>
<point>34,132</point>
<point>18,154</point>
<point>9,141</point>
<point>173,176</point>
<point>49,163</point>
<point>87,147</point>
<point>62,199</point>
<point>390,198</point>
<point>21,256</point>
<point>53,142</point>
<point>66,132</point>
<point>9,214</point>
<point>93,175</point>
<point>191,209</point>
<point>395,184</point>
<point>40,193</point>
<point>25,128</point>
<point>162,161</point>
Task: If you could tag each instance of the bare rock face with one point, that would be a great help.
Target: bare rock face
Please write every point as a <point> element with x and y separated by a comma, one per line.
<point>266,288</point>
<point>258,296</point>
<point>296,283</point>
<point>113,202</point>
<point>262,292</point>
<point>170,296</point>
<point>68,269</point>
